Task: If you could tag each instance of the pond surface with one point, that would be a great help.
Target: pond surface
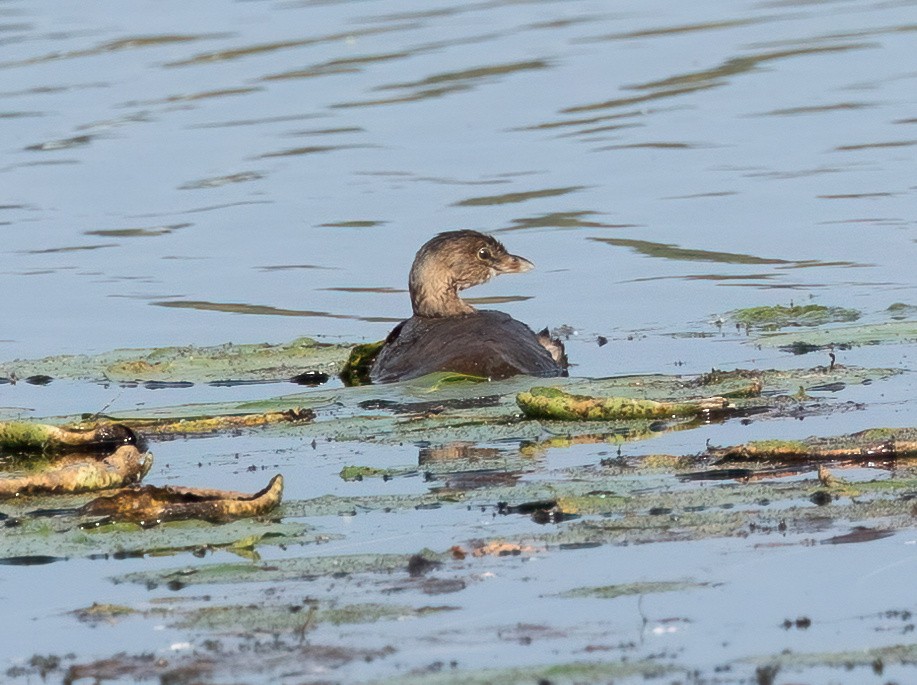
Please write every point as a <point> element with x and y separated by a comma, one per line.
<point>197,173</point>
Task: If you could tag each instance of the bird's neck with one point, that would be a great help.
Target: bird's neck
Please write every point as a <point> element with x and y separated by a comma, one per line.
<point>435,294</point>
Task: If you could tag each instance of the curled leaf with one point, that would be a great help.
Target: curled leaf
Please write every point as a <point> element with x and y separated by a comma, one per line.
<point>81,473</point>
<point>25,436</point>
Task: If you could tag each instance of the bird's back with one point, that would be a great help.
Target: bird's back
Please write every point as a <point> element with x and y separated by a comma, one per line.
<point>484,343</point>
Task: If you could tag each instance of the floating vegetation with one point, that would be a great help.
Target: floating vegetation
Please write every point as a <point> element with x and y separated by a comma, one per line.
<point>870,445</point>
<point>555,404</point>
<point>780,316</point>
<point>149,505</point>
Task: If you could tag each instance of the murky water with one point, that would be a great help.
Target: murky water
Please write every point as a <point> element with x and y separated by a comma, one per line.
<point>196,173</point>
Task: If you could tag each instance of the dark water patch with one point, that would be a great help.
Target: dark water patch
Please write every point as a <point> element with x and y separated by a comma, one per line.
<point>20,115</point>
<point>192,97</point>
<point>696,196</point>
<point>309,150</point>
<point>705,277</point>
<point>166,385</point>
<point>423,94</point>
<point>796,173</point>
<point>219,181</point>
<point>581,121</point>
<point>474,74</point>
<point>840,35</point>
<point>380,290</point>
<point>30,560</point>
<point>231,54</point>
<point>718,75</point>
<point>497,299</point>
<point>256,122</point>
<point>293,267</point>
<point>854,196</point>
<point>438,85</point>
<point>810,263</point>
<point>349,65</point>
<point>72,248</point>
<point>858,534</point>
<point>637,99</point>
<point>263,310</point>
<point>876,221</point>
<point>140,232</point>
<point>674,252</point>
<point>119,45</point>
<point>47,163</point>
<point>817,109</point>
<point>435,13</point>
<point>61,144</point>
<point>440,180</point>
<point>357,223</point>
<point>560,220</point>
<point>657,145</point>
<point>591,134</point>
<point>327,131</point>
<point>511,198</point>
<point>877,145</point>
<point>673,30</point>
<point>51,90</point>
<point>713,77</point>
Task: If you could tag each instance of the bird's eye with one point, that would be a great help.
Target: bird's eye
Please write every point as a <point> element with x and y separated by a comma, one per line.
<point>484,254</point>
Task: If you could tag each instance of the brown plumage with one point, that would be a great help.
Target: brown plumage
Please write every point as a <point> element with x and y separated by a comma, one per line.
<point>448,334</point>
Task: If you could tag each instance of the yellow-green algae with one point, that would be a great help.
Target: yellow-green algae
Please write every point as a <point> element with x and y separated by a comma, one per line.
<point>875,443</point>
<point>553,403</point>
<point>361,472</point>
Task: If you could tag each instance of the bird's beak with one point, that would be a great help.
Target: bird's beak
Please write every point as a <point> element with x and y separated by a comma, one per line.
<point>513,264</point>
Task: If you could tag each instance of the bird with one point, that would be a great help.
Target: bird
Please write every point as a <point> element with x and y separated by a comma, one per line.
<point>446,333</point>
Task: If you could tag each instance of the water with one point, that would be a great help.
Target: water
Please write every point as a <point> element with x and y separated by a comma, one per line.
<point>197,173</point>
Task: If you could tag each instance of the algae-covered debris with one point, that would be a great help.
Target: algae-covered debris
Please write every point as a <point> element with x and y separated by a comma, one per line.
<point>356,369</point>
<point>202,425</point>
<point>780,316</point>
<point>555,404</point>
<point>870,445</point>
<point>74,473</point>
<point>150,505</point>
<point>361,472</point>
<point>19,437</point>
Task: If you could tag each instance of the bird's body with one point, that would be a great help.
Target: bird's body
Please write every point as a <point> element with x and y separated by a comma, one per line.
<point>447,334</point>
